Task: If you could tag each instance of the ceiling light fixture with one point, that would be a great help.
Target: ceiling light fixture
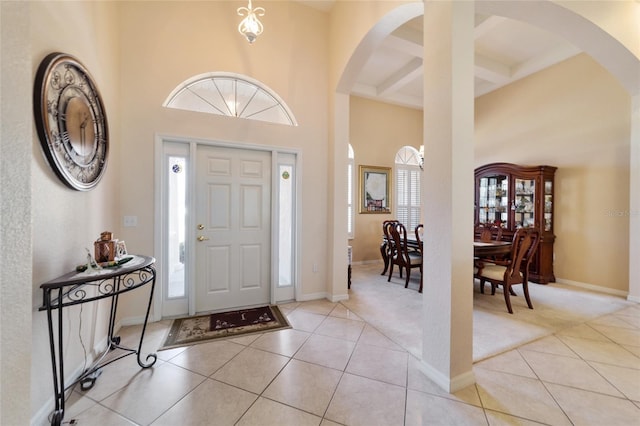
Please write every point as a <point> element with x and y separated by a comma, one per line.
<point>250,26</point>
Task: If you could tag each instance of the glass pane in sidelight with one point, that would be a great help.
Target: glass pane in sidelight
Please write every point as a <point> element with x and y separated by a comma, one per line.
<point>176,221</point>
<point>285,244</point>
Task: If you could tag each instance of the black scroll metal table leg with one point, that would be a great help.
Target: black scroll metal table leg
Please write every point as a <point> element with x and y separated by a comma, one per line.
<point>57,362</point>
<point>72,289</point>
<point>144,328</point>
<point>114,341</point>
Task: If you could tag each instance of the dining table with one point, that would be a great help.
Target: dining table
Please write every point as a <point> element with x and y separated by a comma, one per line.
<point>484,249</point>
<point>481,249</point>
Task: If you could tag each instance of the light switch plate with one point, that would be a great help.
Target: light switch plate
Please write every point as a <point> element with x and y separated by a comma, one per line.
<point>130,221</point>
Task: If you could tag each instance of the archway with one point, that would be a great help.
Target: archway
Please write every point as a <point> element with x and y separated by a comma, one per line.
<point>591,38</point>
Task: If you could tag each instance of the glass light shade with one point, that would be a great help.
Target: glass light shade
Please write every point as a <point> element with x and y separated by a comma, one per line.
<point>250,26</point>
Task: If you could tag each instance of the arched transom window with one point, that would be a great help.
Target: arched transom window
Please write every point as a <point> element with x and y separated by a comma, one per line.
<point>233,95</point>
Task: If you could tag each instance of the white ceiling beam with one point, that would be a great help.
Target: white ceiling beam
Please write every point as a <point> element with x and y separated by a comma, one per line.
<point>487,24</point>
<point>545,60</point>
<point>491,70</point>
<point>410,34</point>
<point>370,92</point>
<point>485,87</point>
<point>404,45</point>
<point>402,77</point>
<point>364,91</point>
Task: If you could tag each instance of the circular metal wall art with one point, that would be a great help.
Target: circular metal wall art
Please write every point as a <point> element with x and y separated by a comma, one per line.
<point>71,121</point>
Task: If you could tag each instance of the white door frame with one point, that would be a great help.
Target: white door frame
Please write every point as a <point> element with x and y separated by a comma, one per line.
<point>160,237</point>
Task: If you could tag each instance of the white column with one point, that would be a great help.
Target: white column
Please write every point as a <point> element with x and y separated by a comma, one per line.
<point>338,241</point>
<point>634,201</point>
<point>447,354</point>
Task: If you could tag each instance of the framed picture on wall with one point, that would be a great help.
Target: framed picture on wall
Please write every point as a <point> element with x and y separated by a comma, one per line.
<point>375,189</point>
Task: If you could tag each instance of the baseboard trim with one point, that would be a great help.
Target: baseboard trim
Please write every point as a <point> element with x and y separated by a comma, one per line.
<point>450,385</point>
<point>130,321</point>
<point>312,296</point>
<point>339,298</point>
<point>367,262</point>
<point>593,287</point>
<point>635,299</point>
<point>41,417</point>
<point>317,296</point>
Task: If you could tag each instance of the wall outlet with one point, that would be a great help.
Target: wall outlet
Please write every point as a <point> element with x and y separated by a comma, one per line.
<point>130,221</point>
<point>315,267</point>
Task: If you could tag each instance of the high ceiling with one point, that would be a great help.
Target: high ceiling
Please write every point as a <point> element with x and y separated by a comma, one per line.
<point>505,51</point>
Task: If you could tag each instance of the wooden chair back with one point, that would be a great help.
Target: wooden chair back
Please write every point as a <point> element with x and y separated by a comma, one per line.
<point>386,247</point>
<point>486,233</point>
<point>523,247</point>
<point>402,257</point>
<point>419,231</point>
<point>387,226</point>
<point>515,270</point>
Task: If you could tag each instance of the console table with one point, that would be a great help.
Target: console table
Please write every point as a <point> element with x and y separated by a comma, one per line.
<point>76,288</point>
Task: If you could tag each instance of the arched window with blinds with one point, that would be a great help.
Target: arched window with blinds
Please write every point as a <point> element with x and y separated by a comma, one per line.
<point>408,174</point>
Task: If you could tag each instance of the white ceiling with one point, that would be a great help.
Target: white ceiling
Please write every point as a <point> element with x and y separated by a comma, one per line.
<point>505,51</point>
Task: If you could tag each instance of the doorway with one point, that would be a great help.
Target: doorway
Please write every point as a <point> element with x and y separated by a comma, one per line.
<point>227,226</point>
<point>233,217</point>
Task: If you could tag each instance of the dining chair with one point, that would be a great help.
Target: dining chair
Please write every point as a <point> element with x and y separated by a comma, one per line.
<point>401,255</point>
<point>419,231</point>
<point>385,247</point>
<point>514,270</point>
<point>487,232</point>
<point>482,233</point>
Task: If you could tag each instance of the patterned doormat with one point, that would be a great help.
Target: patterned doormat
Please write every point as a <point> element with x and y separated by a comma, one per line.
<point>204,328</point>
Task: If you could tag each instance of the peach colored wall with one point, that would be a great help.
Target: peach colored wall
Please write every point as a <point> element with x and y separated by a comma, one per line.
<point>618,18</point>
<point>378,130</point>
<point>136,79</point>
<point>574,116</point>
<point>185,39</point>
<point>583,129</point>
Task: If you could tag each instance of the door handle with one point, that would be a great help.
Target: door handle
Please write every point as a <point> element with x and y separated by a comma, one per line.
<point>201,238</point>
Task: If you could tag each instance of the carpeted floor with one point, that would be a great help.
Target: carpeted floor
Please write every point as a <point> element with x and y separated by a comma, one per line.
<point>556,307</point>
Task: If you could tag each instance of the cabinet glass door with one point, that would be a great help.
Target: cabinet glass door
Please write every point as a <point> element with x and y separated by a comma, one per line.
<point>548,205</point>
<point>524,202</point>
<point>493,200</point>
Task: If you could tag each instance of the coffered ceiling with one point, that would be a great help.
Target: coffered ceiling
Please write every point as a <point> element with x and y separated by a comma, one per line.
<point>505,51</point>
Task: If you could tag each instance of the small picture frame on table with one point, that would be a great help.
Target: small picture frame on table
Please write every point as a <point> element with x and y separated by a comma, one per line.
<point>121,249</point>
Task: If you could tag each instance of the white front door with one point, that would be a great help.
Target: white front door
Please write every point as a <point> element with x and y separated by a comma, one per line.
<point>233,228</point>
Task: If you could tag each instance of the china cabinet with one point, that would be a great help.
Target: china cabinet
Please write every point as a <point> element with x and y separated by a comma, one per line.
<point>514,196</point>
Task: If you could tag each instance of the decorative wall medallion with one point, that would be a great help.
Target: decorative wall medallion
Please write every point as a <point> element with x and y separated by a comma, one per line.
<point>71,121</point>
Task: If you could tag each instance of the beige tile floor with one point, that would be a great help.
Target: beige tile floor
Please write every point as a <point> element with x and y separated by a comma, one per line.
<point>336,365</point>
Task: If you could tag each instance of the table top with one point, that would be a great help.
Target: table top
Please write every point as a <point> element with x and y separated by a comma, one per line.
<point>491,248</point>
<point>491,243</point>
<point>75,277</point>
<point>481,249</point>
